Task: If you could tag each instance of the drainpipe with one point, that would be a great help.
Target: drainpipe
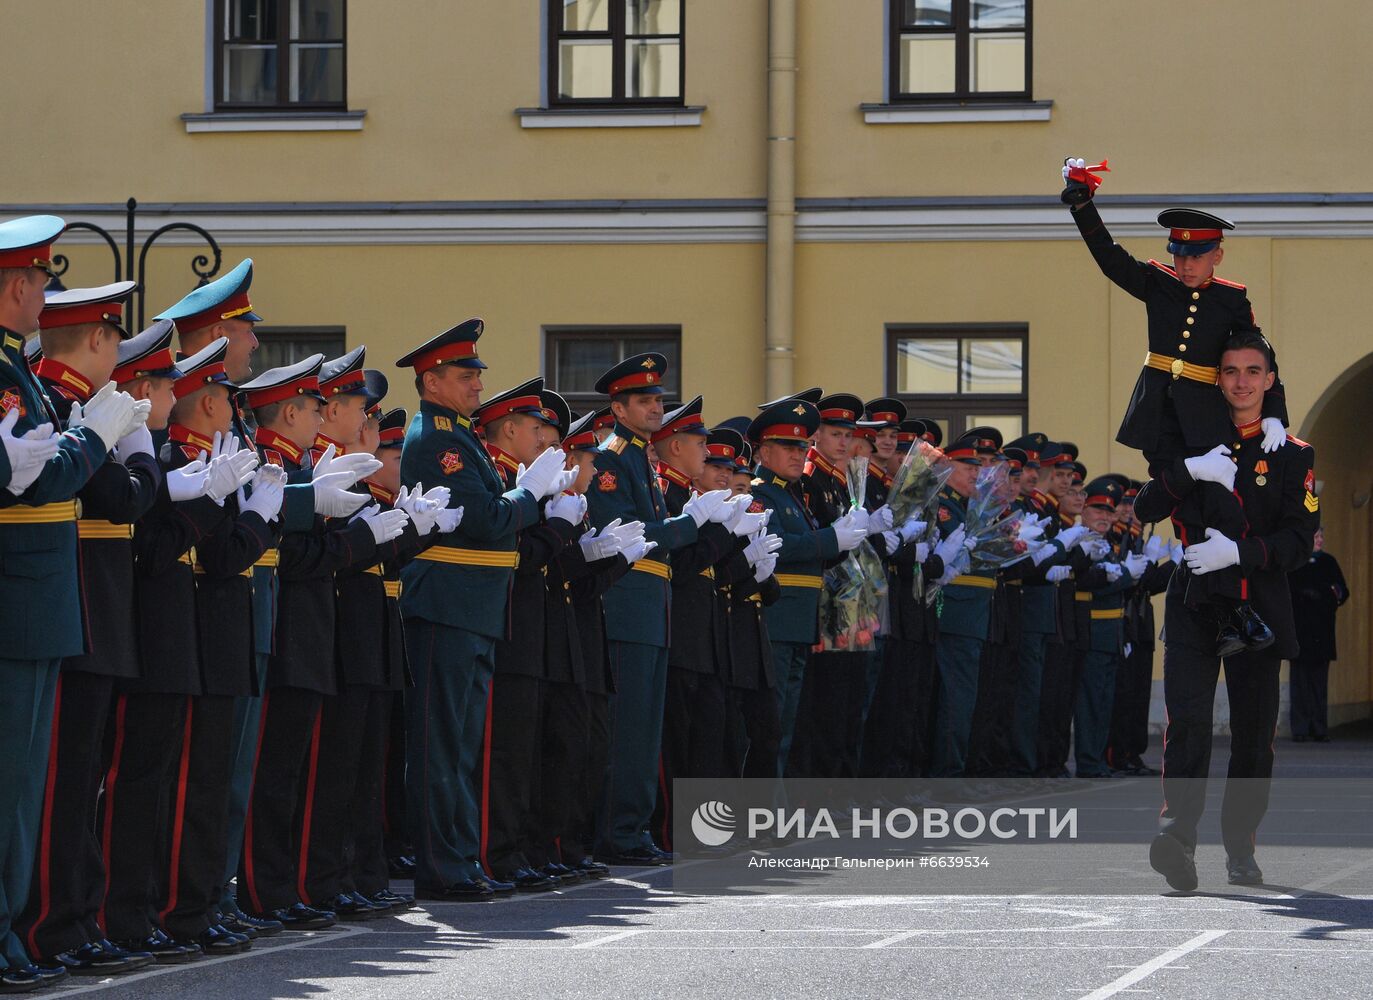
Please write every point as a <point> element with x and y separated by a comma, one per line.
<point>781,266</point>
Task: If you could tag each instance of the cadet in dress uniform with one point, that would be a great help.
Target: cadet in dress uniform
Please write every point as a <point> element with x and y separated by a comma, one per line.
<point>1278,492</point>
<point>781,433</point>
<point>1175,412</point>
<point>85,342</point>
<point>451,644</point>
<point>638,606</point>
<point>1318,591</point>
<point>38,551</point>
<point>301,672</point>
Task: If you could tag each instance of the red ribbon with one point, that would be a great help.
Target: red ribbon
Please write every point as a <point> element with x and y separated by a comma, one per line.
<point>1088,175</point>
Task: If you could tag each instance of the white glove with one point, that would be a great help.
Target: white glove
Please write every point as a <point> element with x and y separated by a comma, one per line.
<point>848,530</point>
<point>230,469</point>
<point>437,495</point>
<point>1113,571</point>
<point>922,551</point>
<point>761,547</point>
<point>27,454</point>
<point>1042,553</point>
<point>190,482</point>
<point>1175,553</point>
<point>603,545</point>
<point>1213,467</point>
<point>1069,537</point>
<point>764,568</point>
<point>1135,565</point>
<point>569,507</point>
<point>1274,434</point>
<point>106,415</point>
<point>1155,548</point>
<point>880,520</point>
<point>635,551</point>
<point>1029,531</point>
<point>385,524</point>
<point>742,523</point>
<point>268,491</point>
<point>1217,552</point>
<point>360,466</point>
<point>912,529</point>
<point>424,514</point>
<point>448,519</point>
<point>705,506</point>
<point>957,566</point>
<point>628,534</point>
<point>138,418</point>
<point>1128,649</point>
<point>546,476</point>
<point>951,546</point>
<point>1097,549</point>
<point>1057,574</point>
<point>892,539</point>
<point>332,496</point>
<point>139,442</point>
<point>860,518</point>
<point>1070,162</point>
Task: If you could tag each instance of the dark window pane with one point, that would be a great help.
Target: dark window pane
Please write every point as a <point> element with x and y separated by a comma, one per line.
<point>286,347</point>
<point>317,74</point>
<point>653,17</point>
<point>998,14</point>
<point>311,19</point>
<point>252,20</point>
<point>250,74</point>
<point>586,15</point>
<point>579,363</point>
<point>928,13</point>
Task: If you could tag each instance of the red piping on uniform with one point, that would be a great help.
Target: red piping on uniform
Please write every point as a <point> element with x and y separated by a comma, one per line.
<point>110,779</point>
<point>665,834</point>
<point>485,807</point>
<point>248,819</point>
<point>179,823</point>
<point>45,834</point>
<point>302,867</point>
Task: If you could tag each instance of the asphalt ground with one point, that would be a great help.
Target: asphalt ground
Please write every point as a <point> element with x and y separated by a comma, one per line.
<point>633,936</point>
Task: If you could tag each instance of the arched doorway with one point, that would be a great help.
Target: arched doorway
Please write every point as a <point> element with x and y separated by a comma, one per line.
<point>1337,425</point>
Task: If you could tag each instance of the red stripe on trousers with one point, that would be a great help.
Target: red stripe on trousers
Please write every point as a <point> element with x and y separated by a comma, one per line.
<point>248,819</point>
<point>665,834</point>
<point>179,822</point>
<point>302,867</point>
<point>486,777</point>
<point>111,778</point>
<point>45,833</point>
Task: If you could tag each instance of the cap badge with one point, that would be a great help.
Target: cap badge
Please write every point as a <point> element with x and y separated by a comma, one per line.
<point>800,410</point>
<point>798,430</point>
<point>1187,234</point>
<point>647,363</point>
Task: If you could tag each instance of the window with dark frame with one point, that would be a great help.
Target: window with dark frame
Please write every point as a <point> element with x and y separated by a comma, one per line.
<point>280,55</point>
<point>961,375</point>
<point>616,52</point>
<point>286,345</point>
<point>960,50</point>
<point>576,356</point>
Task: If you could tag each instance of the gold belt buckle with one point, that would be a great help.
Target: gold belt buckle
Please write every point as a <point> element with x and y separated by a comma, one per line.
<point>1176,367</point>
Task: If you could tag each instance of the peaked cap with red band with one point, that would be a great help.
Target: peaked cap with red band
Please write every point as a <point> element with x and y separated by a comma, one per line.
<point>344,376</point>
<point>221,299</point>
<point>791,420</point>
<point>287,382</point>
<point>1192,233</point>
<point>643,373</point>
<point>686,419</point>
<point>391,429</point>
<point>27,242</point>
<point>455,346</point>
<point>204,367</point>
<point>74,306</point>
<point>521,399</point>
<point>147,354</point>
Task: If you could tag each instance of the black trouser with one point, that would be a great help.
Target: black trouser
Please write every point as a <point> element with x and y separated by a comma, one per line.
<point>198,817</point>
<point>1189,686</point>
<point>1057,696</point>
<point>893,717</point>
<point>694,739</point>
<point>829,720</point>
<point>510,768</point>
<point>69,872</point>
<point>926,702</point>
<point>1308,689</point>
<point>332,782</point>
<point>267,870</point>
<point>759,711</point>
<point>1130,707</point>
<point>394,829</point>
<point>367,868</point>
<point>578,835</point>
<point>989,748</point>
<point>562,729</point>
<point>146,742</point>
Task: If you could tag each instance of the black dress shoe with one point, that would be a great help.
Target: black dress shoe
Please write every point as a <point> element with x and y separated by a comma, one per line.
<point>591,868</point>
<point>1173,859</point>
<point>298,917</point>
<point>635,857</point>
<point>498,886</point>
<point>95,959</point>
<point>667,856</point>
<point>51,975</point>
<point>250,927</point>
<point>1243,871</point>
<point>467,891</point>
<point>567,875</point>
<point>527,880</point>
<point>215,941</point>
<point>1229,641</point>
<point>345,907</point>
<point>1255,631</point>
<point>401,866</point>
<point>24,980</point>
<point>393,901</point>
<point>165,950</point>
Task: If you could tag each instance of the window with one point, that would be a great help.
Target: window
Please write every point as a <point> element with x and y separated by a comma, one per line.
<point>616,52</point>
<point>959,50</point>
<point>961,376</point>
<point>278,346</point>
<point>281,54</point>
<point>575,357</point>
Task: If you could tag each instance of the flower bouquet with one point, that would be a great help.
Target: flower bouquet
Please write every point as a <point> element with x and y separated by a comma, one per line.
<point>992,526</point>
<point>914,493</point>
<point>853,602</point>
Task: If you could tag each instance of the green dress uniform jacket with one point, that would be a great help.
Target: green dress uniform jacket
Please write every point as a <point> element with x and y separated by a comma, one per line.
<point>806,547</point>
<point>967,600</point>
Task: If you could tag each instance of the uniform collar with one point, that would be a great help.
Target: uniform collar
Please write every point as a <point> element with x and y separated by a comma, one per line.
<point>501,458</point>
<point>380,493</point>
<point>11,341</point>
<point>771,478</point>
<point>1046,500</point>
<point>624,433</point>
<point>1252,429</point>
<point>814,460</point>
<point>65,376</point>
<point>322,442</point>
<point>1065,520</point>
<point>269,438</point>
<point>182,434</point>
<point>882,475</point>
<point>433,409</point>
<point>673,476</point>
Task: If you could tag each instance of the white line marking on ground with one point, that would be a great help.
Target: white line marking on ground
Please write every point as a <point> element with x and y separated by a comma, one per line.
<point>893,939</point>
<point>1330,879</point>
<point>619,935</point>
<point>204,963</point>
<point>1153,965</point>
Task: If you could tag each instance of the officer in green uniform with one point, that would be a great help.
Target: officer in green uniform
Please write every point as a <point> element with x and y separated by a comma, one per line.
<point>451,641</point>
<point>637,607</point>
<point>38,555</point>
<point>780,434</point>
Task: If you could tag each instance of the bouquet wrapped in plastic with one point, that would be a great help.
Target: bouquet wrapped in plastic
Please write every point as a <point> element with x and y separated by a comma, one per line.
<point>853,601</point>
<point>993,528</point>
<point>914,493</point>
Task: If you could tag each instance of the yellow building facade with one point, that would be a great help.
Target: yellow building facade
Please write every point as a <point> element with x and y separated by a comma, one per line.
<point>749,182</point>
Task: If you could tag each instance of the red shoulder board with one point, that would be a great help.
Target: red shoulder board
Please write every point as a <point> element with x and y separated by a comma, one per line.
<point>1227,284</point>
<point>10,400</point>
<point>606,482</point>
<point>756,507</point>
<point>450,461</point>
<point>190,451</point>
<point>1300,444</point>
<point>1163,267</point>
